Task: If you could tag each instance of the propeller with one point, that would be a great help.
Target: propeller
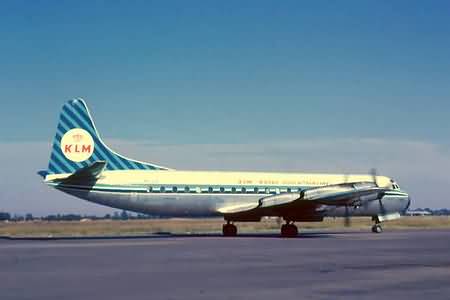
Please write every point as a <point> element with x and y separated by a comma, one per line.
<point>347,219</point>
<point>382,210</point>
<point>347,216</point>
<point>373,172</point>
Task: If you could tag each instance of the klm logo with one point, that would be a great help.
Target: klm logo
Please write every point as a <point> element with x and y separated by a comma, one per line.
<point>77,145</point>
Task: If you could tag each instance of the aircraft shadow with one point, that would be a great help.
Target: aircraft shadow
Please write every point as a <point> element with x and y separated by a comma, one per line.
<point>168,235</point>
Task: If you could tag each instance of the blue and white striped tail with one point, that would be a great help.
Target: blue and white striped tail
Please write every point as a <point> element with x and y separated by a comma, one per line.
<point>77,144</point>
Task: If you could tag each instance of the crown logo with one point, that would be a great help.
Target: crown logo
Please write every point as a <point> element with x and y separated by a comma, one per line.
<point>77,137</point>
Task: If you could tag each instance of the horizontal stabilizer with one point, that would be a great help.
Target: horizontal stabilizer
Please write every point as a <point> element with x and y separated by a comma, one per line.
<point>86,174</point>
<point>43,173</point>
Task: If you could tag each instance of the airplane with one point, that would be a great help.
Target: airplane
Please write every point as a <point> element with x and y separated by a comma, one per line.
<point>82,165</point>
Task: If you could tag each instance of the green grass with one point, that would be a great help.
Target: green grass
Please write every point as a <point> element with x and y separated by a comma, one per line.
<point>213,225</point>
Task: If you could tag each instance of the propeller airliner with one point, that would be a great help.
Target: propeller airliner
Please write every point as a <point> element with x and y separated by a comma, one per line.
<point>82,165</point>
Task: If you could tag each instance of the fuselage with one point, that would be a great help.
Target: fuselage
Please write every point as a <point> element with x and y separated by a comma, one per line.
<point>204,193</point>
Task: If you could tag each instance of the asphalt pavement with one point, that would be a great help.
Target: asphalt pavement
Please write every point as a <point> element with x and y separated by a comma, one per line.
<point>317,265</point>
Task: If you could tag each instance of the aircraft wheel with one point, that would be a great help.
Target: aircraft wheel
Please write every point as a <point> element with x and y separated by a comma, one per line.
<point>377,228</point>
<point>229,229</point>
<point>289,230</point>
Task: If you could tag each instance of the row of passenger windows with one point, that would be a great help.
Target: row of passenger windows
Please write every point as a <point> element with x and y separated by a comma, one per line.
<point>233,190</point>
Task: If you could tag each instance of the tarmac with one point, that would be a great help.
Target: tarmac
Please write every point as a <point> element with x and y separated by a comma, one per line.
<point>317,265</point>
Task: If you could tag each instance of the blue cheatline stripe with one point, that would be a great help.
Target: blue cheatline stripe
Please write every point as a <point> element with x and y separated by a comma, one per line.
<point>98,146</point>
<point>75,120</point>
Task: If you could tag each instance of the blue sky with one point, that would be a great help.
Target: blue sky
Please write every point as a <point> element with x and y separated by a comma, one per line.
<point>231,72</point>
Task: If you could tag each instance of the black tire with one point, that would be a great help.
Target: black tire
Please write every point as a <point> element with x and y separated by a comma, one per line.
<point>289,230</point>
<point>377,228</point>
<point>229,230</point>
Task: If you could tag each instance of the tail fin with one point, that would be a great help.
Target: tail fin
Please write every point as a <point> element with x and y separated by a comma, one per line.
<point>77,144</point>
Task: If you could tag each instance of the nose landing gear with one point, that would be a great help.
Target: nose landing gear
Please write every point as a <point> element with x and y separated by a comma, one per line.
<point>376,228</point>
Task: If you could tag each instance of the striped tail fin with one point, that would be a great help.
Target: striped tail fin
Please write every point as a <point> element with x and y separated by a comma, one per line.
<point>77,144</point>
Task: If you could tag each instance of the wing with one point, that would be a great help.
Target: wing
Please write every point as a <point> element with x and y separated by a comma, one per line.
<point>304,205</point>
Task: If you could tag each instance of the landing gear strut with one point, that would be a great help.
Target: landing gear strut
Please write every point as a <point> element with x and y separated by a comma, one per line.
<point>289,230</point>
<point>376,228</point>
<point>229,229</point>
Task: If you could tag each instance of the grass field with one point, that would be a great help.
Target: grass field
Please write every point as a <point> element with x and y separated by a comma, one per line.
<point>140,227</point>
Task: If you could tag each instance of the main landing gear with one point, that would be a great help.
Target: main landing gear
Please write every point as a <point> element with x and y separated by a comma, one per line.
<point>229,229</point>
<point>376,228</point>
<point>289,230</point>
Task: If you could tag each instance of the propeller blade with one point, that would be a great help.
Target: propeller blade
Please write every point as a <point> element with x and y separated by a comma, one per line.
<point>382,210</point>
<point>373,172</point>
<point>347,221</point>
